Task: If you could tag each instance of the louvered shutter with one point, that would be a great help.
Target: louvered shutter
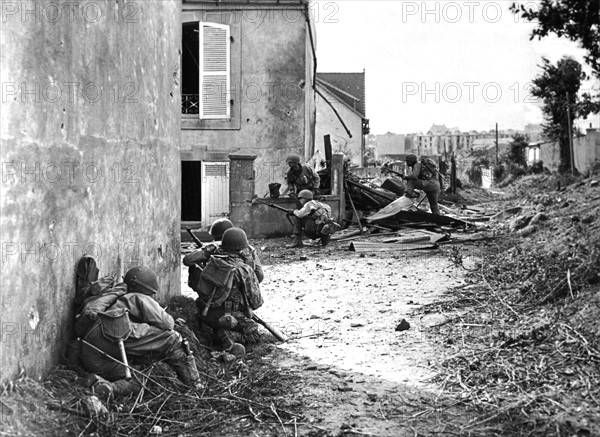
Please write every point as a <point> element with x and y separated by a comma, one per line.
<point>214,71</point>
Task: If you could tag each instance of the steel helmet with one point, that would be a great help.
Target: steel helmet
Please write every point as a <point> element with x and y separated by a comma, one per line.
<point>411,158</point>
<point>234,239</point>
<point>293,158</point>
<point>141,279</point>
<point>305,194</point>
<point>219,227</point>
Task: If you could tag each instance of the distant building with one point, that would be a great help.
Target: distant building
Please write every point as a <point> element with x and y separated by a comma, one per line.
<point>440,140</point>
<point>390,146</point>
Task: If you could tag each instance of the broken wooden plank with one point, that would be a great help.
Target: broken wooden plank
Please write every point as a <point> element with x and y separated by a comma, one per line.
<point>406,240</point>
<point>507,213</point>
<point>389,197</point>
<point>369,246</point>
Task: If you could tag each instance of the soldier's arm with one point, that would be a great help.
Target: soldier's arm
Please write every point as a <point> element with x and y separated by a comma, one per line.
<point>258,267</point>
<point>315,178</point>
<point>147,310</point>
<point>414,174</point>
<point>200,256</point>
<point>305,211</point>
<point>291,183</point>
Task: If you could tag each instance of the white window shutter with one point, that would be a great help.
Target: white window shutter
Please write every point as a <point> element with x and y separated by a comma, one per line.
<point>214,71</point>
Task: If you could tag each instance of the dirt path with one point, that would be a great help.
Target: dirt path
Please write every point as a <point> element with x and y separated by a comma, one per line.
<point>355,374</point>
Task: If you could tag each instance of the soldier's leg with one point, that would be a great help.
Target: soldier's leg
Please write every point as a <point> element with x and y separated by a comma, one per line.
<point>410,187</point>
<point>107,390</point>
<point>148,340</point>
<point>298,231</point>
<point>432,190</point>
<point>97,362</point>
<point>311,229</point>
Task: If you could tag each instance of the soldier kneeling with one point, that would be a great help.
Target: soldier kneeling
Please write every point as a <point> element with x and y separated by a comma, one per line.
<point>313,219</point>
<point>229,290</point>
<point>111,313</point>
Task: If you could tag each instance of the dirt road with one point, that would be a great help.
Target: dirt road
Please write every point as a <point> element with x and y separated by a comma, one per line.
<point>354,373</point>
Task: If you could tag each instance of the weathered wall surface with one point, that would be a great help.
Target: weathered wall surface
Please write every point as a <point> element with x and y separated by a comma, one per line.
<point>327,123</point>
<point>271,91</point>
<point>586,151</point>
<point>90,159</point>
<point>259,220</point>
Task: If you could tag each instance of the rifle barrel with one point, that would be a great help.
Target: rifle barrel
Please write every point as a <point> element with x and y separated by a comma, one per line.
<point>271,205</point>
<point>196,240</point>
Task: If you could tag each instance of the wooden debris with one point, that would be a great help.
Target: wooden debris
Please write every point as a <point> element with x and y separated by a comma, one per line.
<point>368,246</point>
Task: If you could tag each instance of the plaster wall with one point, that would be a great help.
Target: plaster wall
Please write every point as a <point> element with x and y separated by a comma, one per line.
<point>327,123</point>
<point>90,160</point>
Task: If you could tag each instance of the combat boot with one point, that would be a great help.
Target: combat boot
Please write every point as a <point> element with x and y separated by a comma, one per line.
<point>297,242</point>
<point>106,390</point>
<point>325,240</point>
<point>236,349</point>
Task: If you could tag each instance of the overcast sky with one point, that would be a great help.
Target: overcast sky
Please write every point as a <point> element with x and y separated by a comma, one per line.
<point>465,64</point>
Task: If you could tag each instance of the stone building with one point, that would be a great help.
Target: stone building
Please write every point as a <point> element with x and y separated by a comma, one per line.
<point>248,87</point>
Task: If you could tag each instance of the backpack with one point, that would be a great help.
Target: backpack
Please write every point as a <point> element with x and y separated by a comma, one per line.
<point>219,277</point>
<point>195,270</point>
<point>429,169</point>
<point>97,298</point>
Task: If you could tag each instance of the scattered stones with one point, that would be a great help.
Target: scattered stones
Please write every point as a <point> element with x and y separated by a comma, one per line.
<point>588,219</point>
<point>344,388</point>
<point>403,326</point>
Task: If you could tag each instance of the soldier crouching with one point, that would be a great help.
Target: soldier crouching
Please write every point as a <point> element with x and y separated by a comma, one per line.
<point>229,291</point>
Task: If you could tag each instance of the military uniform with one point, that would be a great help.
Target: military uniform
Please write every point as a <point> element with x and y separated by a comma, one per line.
<point>314,219</point>
<point>304,179</point>
<point>151,334</point>
<point>423,178</point>
<point>110,312</point>
<point>229,315</point>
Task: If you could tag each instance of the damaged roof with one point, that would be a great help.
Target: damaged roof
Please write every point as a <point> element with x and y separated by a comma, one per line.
<point>348,87</point>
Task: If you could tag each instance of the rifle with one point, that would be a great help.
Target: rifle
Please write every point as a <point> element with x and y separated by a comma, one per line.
<point>280,208</point>
<point>194,238</point>
<point>389,170</point>
<point>274,331</point>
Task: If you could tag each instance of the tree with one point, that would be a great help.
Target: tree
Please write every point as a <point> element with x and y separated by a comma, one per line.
<point>578,20</point>
<point>516,150</point>
<point>558,86</point>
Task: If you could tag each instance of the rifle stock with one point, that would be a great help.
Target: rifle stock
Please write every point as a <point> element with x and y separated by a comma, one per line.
<point>274,331</point>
